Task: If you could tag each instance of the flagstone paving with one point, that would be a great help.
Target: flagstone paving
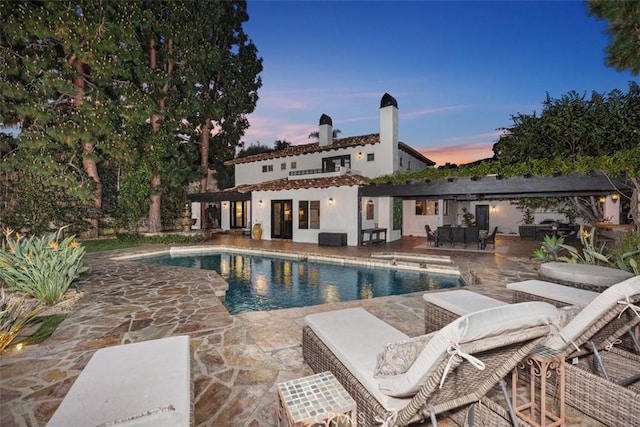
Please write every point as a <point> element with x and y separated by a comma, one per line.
<point>236,360</point>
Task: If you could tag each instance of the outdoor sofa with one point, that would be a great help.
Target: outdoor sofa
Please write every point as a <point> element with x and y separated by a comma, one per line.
<point>453,367</point>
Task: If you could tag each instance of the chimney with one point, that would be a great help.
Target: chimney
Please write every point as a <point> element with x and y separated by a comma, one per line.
<point>325,134</point>
<point>389,130</point>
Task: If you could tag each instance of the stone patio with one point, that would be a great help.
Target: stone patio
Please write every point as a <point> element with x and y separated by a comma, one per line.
<point>236,360</point>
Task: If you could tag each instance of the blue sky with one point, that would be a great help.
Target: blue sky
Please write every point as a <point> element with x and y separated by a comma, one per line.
<point>458,69</point>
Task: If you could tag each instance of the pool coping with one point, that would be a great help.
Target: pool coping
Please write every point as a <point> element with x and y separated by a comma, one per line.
<point>436,264</point>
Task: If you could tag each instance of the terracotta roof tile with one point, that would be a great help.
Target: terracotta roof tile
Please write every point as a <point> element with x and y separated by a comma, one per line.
<point>297,150</point>
<point>348,179</point>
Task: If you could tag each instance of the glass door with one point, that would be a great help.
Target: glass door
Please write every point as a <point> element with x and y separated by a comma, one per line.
<point>281,219</point>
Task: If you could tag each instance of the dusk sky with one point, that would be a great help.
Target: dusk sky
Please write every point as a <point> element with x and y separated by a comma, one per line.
<point>458,69</point>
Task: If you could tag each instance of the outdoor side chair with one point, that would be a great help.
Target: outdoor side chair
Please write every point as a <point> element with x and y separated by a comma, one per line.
<point>432,236</point>
<point>444,235</point>
<point>491,238</point>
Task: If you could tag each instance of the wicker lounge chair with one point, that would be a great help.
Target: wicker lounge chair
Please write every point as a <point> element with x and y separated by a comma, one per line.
<point>553,293</point>
<point>602,379</point>
<point>589,337</point>
<point>350,342</point>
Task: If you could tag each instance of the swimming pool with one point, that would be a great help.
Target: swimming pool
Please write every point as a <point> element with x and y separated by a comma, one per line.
<point>258,282</point>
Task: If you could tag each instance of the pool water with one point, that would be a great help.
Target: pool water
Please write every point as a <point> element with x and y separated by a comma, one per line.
<point>259,283</point>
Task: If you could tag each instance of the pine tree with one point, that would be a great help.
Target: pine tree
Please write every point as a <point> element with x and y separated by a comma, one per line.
<point>60,60</point>
<point>225,70</point>
<point>95,84</point>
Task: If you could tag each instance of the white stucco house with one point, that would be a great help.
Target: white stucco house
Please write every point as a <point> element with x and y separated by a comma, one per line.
<point>321,192</point>
<point>304,190</point>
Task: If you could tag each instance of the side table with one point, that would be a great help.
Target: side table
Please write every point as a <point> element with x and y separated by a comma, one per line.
<point>543,363</point>
<point>315,400</point>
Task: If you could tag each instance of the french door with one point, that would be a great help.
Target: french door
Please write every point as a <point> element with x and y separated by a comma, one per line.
<point>281,219</point>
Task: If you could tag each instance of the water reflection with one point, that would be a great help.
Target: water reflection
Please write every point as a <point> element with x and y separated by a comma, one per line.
<point>331,293</point>
<point>262,283</point>
<point>366,291</point>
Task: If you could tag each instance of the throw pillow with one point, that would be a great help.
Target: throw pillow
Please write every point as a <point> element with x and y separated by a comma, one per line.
<point>397,357</point>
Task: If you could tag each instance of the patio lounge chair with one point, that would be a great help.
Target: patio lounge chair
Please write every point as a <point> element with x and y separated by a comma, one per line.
<point>602,379</point>
<point>456,367</point>
<point>599,376</point>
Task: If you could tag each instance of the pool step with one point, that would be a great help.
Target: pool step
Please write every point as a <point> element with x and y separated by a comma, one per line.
<point>413,258</point>
<point>440,264</point>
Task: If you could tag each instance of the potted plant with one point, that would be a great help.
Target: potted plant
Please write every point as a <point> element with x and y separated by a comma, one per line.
<point>467,217</point>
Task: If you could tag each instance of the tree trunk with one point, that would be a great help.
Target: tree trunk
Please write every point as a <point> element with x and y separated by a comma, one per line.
<point>204,162</point>
<point>588,208</point>
<point>88,149</point>
<point>634,206</point>
<point>154,217</point>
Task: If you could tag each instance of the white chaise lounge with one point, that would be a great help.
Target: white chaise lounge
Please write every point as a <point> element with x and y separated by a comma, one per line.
<point>355,345</point>
<point>140,384</point>
<point>594,332</point>
<point>553,293</point>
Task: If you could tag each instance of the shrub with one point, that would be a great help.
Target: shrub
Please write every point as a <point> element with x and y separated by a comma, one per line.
<point>41,267</point>
<point>625,256</point>
<point>166,239</point>
<point>15,314</point>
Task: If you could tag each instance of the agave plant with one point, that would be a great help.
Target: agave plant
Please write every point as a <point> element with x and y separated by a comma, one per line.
<point>554,249</point>
<point>550,250</point>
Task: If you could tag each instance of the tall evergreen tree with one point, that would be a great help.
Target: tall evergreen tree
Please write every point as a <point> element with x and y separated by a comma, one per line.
<point>124,85</point>
<point>59,61</point>
<point>226,72</point>
<point>623,17</point>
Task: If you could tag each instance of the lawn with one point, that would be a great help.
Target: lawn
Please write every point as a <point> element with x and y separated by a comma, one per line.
<point>100,245</point>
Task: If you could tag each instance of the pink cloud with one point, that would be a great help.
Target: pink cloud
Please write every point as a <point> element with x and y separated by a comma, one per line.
<point>267,130</point>
<point>463,149</point>
<point>459,154</point>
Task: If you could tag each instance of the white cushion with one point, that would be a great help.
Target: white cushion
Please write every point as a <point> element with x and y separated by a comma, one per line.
<point>583,273</point>
<point>486,323</point>
<point>357,338</point>
<point>461,302</point>
<point>553,291</point>
<point>594,311</point>
<point>141,384</point>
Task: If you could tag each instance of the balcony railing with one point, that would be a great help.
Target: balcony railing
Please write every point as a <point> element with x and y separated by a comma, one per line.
<point>314,171</point>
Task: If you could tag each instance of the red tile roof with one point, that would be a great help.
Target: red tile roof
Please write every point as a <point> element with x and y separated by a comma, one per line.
<point>314,147</point>
<point>348,179</point>
<point>351,141</point>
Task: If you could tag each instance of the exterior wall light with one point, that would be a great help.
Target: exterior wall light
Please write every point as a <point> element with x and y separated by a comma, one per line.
<point>330,201</point>
<point>360,155</point>
<point>260,203</point>
<point>603,199</point>
<point>615,197</point>
<point>224,205</point>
